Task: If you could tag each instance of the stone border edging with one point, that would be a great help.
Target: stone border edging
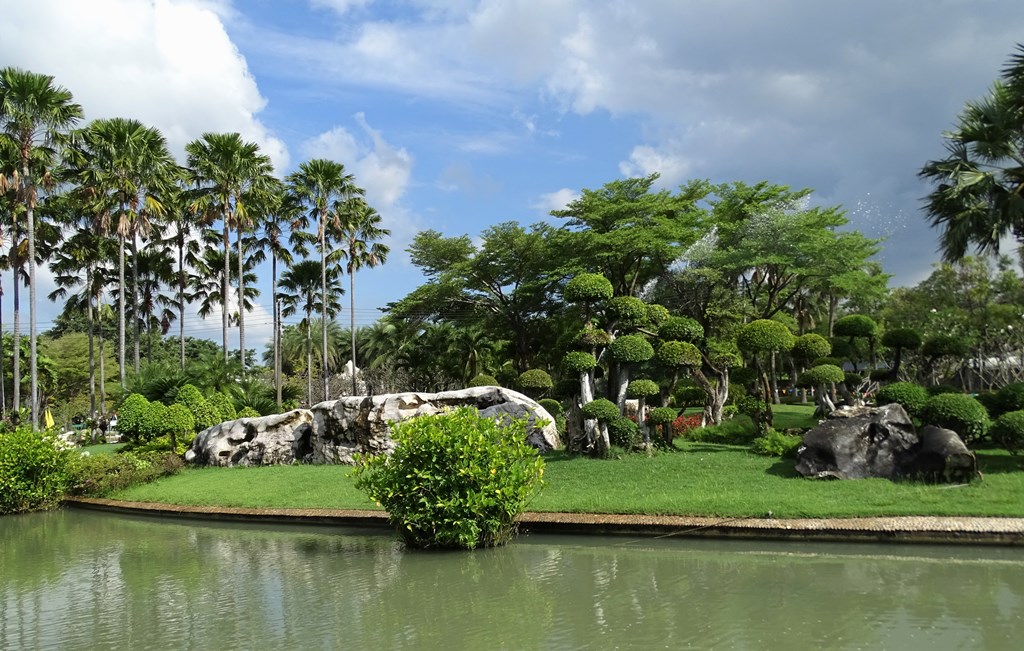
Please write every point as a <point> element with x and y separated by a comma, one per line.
<point>902,529</point>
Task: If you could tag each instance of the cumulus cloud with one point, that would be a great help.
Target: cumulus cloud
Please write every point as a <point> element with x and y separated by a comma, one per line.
<point>168,63</point>
<point>556,200</point>
<point>645,159</point>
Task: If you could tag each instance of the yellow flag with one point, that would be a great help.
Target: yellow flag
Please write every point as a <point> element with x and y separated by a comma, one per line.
<point>48,419</point>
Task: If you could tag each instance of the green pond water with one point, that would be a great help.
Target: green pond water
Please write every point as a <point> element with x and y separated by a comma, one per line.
<point>82,580</point>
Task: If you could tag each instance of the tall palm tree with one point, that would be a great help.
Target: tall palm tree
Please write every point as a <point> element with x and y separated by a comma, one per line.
<point>277,230</point>
<point>979,197</point>
<point>299,285</point>
<point>228,173</point>
<point>180,227</point>
<point>34,113</point>
<point>358,228</point>
<point>322,184</point>
<point>125,166</point>
<point>207,283</point>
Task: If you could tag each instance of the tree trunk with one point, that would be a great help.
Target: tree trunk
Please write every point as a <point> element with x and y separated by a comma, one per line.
<point>92,353</point>
<point>16,351</point>
<point>225,285</point>
<point>33,368</point>
<point>181,302</point>
<point>309,362</point>
<point>323,306</point>
<point>277,328</point>
<point>135,299</point>
<point>352,328</point>
<point>241,303</point>
<point>775,381</point>
<point>623,377</point>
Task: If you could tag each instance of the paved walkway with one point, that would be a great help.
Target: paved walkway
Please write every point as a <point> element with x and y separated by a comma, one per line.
<point>919,529</point>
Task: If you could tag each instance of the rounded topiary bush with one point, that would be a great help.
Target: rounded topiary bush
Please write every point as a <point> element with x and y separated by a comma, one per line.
<point>678,353</point>
<point>958,412</point>
<point>944,346</point>
<point>34,470</point>
<point>657,314</point>
<point>905,338</point>
<point>642,388</point>
<point>552,406</point>
<point>132,415</point>
<point>1008,431</point>
<point>578,361</point>
<point>1009,398</point>
<point>810,347</point>
<point>601,409</point>
<point>822,374</point>
<point>588,288</point>
<point>764,335</point>
<point>631,349</point>
<point>855,325</point>
<point>628,310</point>
<point>852,380</point>
<point>594,337</point>
<point>222,406</point>
<point>663,415</point>
<point>624,433</point>
<point>939,389</point>
<point>535,382</point>
<point>907,394</point>
<point>681,328</point>
<point>248,412</point>
<point>478,473</point>
<point>484,380</point>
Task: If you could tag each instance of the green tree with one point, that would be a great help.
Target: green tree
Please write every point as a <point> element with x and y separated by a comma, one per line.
<point>324,186</point>
<point>977,196</point>
<point>34,115</point>
<point>358,229</point>
<point>227,173</point>
<point>299,285</point>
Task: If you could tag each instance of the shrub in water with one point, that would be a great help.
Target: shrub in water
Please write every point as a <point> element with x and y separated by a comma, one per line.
<point>911,396</point>
<point>33,470</point>
<point>1008,431</point>
<point>958,412</point>
<point>455,479</point>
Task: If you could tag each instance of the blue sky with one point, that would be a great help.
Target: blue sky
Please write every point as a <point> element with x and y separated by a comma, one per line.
<point>458,114</point>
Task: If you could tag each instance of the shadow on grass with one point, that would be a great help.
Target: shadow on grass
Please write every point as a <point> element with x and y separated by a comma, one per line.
<point>783,468</point>
<point>997,461</point>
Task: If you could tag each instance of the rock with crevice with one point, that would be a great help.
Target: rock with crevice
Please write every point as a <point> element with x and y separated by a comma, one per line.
<point>336,431</point>
<point>263,441</point>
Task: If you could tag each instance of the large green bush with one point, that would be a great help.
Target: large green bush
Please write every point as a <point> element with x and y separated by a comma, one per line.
<point>222,406</point>
<point>776,444</point>
<point>809,347</point>
<point>33,470</point>
<point>911,396</point>
<point>1009,398</point>
<point>631,349</point>
<point>101,475</point>
<point>455,479</point>
<point>624,433</point>
<point>578,361</point>
<point>681,328</point>
<point>601,409</point>
<point>132,416</point>
<point>535,382</point>
<point>204,415</point>
<point>1008,431</point>
<point>958,412</point>
<point>628,311</point>
<point>588,288</point>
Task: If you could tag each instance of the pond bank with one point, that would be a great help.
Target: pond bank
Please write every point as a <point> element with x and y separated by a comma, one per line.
<point>902,529</point>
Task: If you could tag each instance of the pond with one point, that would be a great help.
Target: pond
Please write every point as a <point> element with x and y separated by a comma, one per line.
<point>83,580</point>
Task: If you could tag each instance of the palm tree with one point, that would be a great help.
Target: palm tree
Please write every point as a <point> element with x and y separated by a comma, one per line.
<point>358,228</point>
<point>299,285</point>
<point>34,114</point>
<point>125,166</point>
<point>979,198</point>
<point>207,283</point>
<point>283,215</point>
<point>154,270</point>
<point>322,184</point>
<point>227,173</point>
<point>181,225</point>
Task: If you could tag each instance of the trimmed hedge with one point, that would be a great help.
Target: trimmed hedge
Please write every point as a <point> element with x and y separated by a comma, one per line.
<point>958,412</point>
<point>912,397</point>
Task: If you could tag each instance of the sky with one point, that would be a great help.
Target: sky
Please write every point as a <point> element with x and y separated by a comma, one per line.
<point>454,115</point>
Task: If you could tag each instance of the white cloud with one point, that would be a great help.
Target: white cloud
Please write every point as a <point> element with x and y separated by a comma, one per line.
<point>168,63</point>
<point>556,200</point>
<point>644,160</point>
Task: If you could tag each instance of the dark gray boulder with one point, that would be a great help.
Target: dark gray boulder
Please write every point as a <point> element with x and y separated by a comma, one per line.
<point>861,442</point>
<point>858,442</point>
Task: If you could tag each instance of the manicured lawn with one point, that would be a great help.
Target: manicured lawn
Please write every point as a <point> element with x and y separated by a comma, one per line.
<point>102,448</point>
<point>699,479</point>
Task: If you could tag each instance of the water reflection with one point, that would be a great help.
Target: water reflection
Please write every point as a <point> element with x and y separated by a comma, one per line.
<point>79,580</point>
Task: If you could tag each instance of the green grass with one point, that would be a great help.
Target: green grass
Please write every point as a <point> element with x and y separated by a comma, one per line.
<point>795,416</point>
<point>698,479</point>
<point>103,448</point>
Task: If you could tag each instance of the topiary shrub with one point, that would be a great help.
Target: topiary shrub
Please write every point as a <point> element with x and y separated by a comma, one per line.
<point>552,406</point>
<point>822,374</point>
<point>33,470</point>
<point>1008,431</point>
<point>681,328</point>
<point>905,338</point>
<point>944,346</point>
<point>455,479</point>
<point>180,425</point>
<point>248,412</point>
<point>592,337</point>
<point>810,347</point>
<point>763,336</point>
<point>588,288</point>
<point>202,413</point>
<point>642,388</point>
<point>631,349</point>
<point>601,409</point>
<point>855,325</point>
<point>101,475</point>
<point>1009,398</point>
<point>624,433</point>
<point>222,406</point>
<point>629,311</point>
<point>911,396</point>
<point>678,353</point>
<point>153,421</point>
<point>852,380</point>
<point>939,389</point>
<point>535,382</point>
<point>577,362</point>
<point>484,380</point>
<point>958,412</point>
<point>662,418</point>
<point>656,314</point>
<point>131,416</point>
